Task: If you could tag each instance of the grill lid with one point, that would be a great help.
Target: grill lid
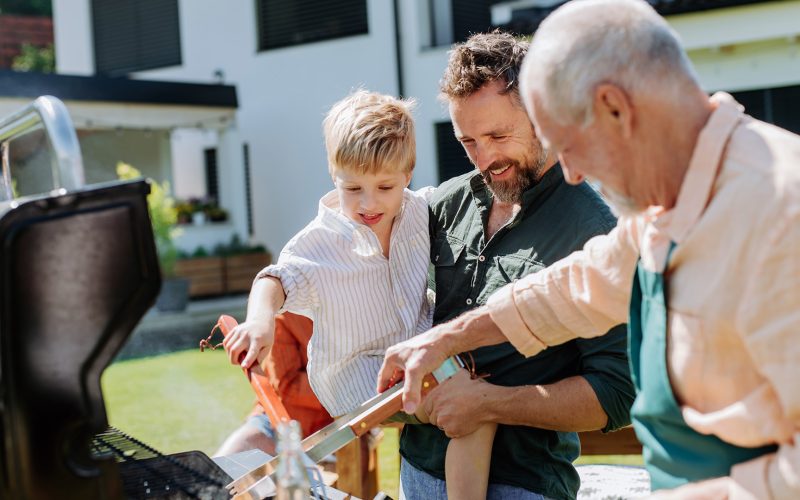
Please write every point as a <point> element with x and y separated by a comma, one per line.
<point>78,271</point>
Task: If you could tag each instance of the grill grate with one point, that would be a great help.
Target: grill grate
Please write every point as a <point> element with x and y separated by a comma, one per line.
<point>147,473</point>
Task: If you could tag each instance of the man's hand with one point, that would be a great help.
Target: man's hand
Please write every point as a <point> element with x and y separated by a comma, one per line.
<point>418,356</point>
<point>412,360</point>
<point>456,406</point>
<point>255,337</point>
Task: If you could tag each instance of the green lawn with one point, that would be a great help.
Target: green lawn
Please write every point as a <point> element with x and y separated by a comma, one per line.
<point>190,401</point>
<point>177,402</point>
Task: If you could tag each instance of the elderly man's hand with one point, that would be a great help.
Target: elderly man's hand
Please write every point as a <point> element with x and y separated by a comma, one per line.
<point>456,405</point>
<point>418,356</point>
<point>412,360</point>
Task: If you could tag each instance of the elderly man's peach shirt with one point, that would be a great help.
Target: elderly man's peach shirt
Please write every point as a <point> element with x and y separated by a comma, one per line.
<point>733,293</point>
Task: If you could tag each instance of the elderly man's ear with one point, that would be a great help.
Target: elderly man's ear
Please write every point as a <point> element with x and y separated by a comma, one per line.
<point>613,109</point>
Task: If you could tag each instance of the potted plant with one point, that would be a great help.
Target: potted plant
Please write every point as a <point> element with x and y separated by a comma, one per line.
<point>184,211</point>
<point>163,216</point>
<point>215,213</point>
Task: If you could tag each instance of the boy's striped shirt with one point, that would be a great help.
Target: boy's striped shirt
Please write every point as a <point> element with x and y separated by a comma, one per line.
<point>334,272</point>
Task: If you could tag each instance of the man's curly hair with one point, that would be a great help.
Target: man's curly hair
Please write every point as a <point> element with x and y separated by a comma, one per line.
<point>483,58</point>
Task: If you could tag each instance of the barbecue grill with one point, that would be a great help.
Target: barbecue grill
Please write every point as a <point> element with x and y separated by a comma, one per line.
<point>79,270</point>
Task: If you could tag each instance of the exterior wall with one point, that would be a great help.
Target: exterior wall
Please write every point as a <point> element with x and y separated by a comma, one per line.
<point>189,176</point>
<point>423,67</point>
<point>283,97</point>
<point>284,93</point>
<point>72,28</point>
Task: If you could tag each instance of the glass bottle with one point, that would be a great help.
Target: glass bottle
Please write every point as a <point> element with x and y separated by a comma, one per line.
<point>292,480</point>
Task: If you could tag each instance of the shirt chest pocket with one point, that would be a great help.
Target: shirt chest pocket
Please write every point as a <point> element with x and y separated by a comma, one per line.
<point>447,259</point>
<point>508,268</point>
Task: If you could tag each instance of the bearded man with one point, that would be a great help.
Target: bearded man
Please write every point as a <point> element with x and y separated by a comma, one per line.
<point>513,216</point>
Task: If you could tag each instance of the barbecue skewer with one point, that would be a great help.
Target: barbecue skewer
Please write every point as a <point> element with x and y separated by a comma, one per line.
<point>257,484</point>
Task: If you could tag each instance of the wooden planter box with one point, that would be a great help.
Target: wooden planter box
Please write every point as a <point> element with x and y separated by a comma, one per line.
<point>220,275</point>
<point>206,275</point>
<point>241,269</point>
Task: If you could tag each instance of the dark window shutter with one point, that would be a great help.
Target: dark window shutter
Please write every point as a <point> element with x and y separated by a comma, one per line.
<point>135,35</point>
<point>248,197</point>
<point>785,103</point>
<point>753,102</point>
<point>471,17</point>
<point>212,177</point>
<point>780,106</point>
<point>450,154</point>
<point>282,23</point>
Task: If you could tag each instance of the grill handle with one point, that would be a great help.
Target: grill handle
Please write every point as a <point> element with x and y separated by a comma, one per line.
<point>67,162</point>
<point>266,394</point>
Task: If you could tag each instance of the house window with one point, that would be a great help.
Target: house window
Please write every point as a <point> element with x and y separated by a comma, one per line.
<point>451,158</point>
<point>283,23</point>
<point>135,35</point>
<point>454,21</point>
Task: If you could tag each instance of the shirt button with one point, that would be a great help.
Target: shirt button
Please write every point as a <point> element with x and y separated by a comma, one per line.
<point>469,302</point>
<point>481,258</point>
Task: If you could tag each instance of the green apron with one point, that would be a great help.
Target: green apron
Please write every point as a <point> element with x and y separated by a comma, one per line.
<point>674,453</point>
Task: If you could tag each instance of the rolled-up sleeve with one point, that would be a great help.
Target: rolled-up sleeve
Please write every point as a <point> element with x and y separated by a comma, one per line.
<point>581,296</point>
<point>770,319</point>
<point>604,364</point>
<point>296,276</point>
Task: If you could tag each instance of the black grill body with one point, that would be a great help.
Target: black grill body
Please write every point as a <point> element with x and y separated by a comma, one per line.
<point>79,270</point>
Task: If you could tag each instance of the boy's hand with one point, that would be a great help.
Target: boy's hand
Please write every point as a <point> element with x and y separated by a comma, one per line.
<point>248,340</point>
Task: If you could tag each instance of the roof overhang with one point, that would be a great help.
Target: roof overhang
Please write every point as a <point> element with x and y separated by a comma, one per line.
<point>96,102</point>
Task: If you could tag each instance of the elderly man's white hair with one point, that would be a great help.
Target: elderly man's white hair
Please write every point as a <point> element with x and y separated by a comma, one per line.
<point>585,43</point>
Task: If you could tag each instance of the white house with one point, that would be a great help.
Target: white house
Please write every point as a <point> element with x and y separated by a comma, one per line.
<point>289,60</point>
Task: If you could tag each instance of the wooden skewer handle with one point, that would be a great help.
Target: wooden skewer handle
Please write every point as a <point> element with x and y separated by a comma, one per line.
<point>266,394</point>
<point>379,413</point>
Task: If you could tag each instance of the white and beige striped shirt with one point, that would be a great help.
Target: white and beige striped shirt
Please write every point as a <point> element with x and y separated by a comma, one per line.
<point>334,272</point>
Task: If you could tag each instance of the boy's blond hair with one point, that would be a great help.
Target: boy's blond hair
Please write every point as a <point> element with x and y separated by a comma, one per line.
<point>368,132</point>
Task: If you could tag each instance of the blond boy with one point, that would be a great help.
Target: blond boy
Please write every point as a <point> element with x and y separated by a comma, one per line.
<point>359,269</point>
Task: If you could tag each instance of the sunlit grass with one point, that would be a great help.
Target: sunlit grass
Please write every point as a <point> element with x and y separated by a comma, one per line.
<point>389,462</point>
<point>182,401</point>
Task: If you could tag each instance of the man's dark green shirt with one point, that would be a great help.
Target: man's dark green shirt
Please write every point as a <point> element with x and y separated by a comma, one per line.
<point>555,220</point>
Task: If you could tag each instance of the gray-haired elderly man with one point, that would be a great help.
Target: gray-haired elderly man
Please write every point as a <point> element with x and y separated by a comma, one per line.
<point>704,263</point>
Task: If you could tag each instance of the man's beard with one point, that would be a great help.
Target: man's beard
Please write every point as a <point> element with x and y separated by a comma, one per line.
<point>526,175</point>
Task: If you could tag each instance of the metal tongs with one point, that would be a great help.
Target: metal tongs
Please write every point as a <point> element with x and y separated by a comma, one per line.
<point>257,484</point>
